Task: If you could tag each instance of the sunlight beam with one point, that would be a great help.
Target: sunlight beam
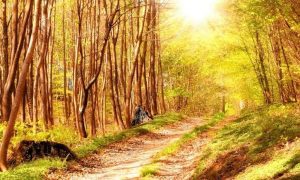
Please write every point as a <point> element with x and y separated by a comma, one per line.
<point>197,11</point>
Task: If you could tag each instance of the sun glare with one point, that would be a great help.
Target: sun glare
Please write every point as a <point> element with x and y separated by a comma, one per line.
<point>197,11</point>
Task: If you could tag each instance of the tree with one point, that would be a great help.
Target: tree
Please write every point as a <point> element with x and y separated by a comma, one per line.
<point>21,86</point>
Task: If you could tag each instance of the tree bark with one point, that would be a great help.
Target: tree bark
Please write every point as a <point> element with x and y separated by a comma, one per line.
<point>20,88</point>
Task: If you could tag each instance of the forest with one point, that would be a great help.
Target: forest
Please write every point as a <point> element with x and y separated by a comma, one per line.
<point>217,80</point>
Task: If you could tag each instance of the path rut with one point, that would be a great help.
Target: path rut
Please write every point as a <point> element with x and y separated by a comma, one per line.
<point>181,165</point>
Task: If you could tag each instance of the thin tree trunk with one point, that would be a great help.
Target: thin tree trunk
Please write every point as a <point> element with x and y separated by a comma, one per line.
<point>15,56</point>
<point>65,66</point>
<point>20,88</point>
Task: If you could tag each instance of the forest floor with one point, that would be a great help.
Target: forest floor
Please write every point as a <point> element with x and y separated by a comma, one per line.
<point>182,164</point>
<point>123,160</point>
<point>260,144</point>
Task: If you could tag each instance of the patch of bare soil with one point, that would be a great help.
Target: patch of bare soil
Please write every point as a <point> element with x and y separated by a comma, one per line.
<point>288,176</point>
<point>182,164</point>
<point>123,160</point>
<point>230,164</point>
<point>227,165</point>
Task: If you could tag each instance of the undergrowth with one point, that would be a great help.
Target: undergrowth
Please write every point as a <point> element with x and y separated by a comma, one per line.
<point>37,169</point>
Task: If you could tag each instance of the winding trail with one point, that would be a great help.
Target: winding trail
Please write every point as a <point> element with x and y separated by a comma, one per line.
<point>181,165</point>
<point>123,160</point>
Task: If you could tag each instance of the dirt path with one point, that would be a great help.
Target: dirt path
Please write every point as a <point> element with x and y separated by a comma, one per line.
<point>123,160</point>
<point>181,165</point>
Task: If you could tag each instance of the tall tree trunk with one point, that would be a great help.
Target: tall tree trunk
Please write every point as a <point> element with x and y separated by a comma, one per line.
<point>261,58</point>
<point>15,56</point>
<point>112,91</point>
<point>161,79</point>
<point>293,89</point>
<point>153,80</point>
<point>136,53</point>
<point>65,66</point>
<point>4,47</point>
<point>4,41</point>
<point>20,88</point>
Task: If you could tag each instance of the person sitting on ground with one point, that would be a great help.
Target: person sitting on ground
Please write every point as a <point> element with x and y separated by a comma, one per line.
<point>140,116</point>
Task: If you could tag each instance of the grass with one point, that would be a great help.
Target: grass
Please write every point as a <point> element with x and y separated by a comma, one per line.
<point>157,123</point>
<point>33,170</point>
<point>149,170</point>
<point>283,161</point>
<point>262,131</point>
<point>174,147</point>
<point>38,168</point>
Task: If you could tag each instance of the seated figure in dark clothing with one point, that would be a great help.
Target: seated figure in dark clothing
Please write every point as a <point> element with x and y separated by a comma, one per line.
<point>140,116</point>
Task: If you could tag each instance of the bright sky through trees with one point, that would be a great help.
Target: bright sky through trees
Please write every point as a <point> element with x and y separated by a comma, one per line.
<point>197,11</point>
